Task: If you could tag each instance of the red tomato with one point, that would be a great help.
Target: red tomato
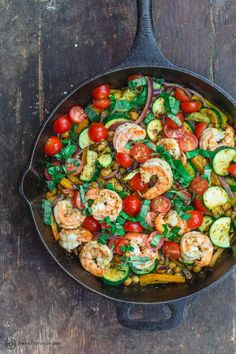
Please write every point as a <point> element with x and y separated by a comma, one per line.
<point>199,205</point>
<point>199,185</point>
<point>102,104</point>
<point>62,125</point>
<point>132,226</point>
<point>77,114</point>
<point>232,169</point>
<point>97,132</point>
<point>191,106</point>
<point>101,92</point>
<point>171,124</point>
<point>188,142</point>
<point>174,133</point>
<point>137,184</point>
<point>124,159</point>
<point>140,152</point>
<point>117,244</point>
<point>52,146</point>
<point>185,193</point>
<point>195,220</point>
<point>199,129</point>
<point>74,170</point>
<point>76,200</point>
<point>134,77</point>
<point>171,249</point>
<point>91,224</point>
<point>161,204</point>
<point>131,205</point>
<point>181,95</point>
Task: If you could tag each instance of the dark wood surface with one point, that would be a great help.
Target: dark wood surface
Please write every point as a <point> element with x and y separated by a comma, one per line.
<point>46,48</point>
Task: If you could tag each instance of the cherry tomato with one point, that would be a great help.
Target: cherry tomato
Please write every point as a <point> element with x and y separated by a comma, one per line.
<point>232,169</point>
<point>117,244</point>
<point>199,185</point>
<point>188,142</point>
<point>77,114</point>
<point>91,224</point>
<point>137,184</point>
<point>97,132</point>
<point>171,124</point>
<point>134,77</point>
<point>132,205</point>
<point>47,175</point>
<point>102,104</point>
<point>174,133</point>
<point>124,159</point>
<point>199,129</point>
<point>76,200</point>
<point>195,220</point>
<point>199,204</point>
<point>132,226</point>
<point>52,146</point>
<point>140,152</point>
<point>74,170</point>
<point>181,95</point>
<point>185,193</point>
<point>191,106</point>
<point>161,204</point>
<point>171,249</point>
<point>62,125</point>
<point>101,92</point>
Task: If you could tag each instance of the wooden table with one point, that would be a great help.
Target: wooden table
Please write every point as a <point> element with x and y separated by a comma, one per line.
<point>48,47</point>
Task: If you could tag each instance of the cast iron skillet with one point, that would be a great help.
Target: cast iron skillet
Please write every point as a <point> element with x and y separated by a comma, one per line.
<point>145,57</point>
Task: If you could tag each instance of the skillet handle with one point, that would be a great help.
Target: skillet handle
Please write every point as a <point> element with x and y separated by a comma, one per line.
<point>30,185</point>
<point>145,50</point>
<point>175,320</point>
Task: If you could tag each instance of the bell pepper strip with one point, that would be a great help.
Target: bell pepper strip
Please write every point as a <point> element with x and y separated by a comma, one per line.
<point>160,278</point>
<point>200,162</point>
<point>54,228</point>
<point>218,253</point>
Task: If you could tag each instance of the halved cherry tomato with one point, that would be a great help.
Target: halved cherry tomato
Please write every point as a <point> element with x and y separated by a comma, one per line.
<point>102,91</point>
<point>102,104</point>
<point>76,200</point>
<point>191,106</point>
<point>134,77</point>
<point>137,184</point>
<point>47,175</point>
<point>52,146</point>
<point>91,224</point>
<point>174,133</point>
<point>132,205</point>
<point>199,129</point>
<point>62,125</point>
<point>161,204</point>
<point>171,249</point>
<point>195,220</point>
<point>132,226</point>
<point>140,152</point>
<point>97,132</point>
<point>232,169</point>
<point>77,114</point>
<point>199,185</point>
<point>171,124</point>
<point>188,142</point>
<point>199,204</point>
<point>181,95</point>
<point>124,159</point>
<point>74,170</point>
<point>116,245</point>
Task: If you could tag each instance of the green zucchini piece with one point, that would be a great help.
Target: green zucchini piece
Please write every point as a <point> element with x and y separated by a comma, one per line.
<point>206,223</point>
<point>198,117</point>
<point>116,274</point>
<point>188,127</point>
<point>214,115</point>
<point>89,169</point>
<point>105,160</point>
<point>154,128</point>
<point>143,268</point>
<point>115,118</point>
<point>84,140</point>
<point>222,160</point>
<point>219,232</point>
<point>93,116</point>
<point>130,175</point>
<point>158,106</point>
<point>215,196</point>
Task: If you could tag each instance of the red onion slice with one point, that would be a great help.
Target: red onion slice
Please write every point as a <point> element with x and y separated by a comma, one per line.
<point>148,102</point>
<point>226,187</point>
<point>172,84</point>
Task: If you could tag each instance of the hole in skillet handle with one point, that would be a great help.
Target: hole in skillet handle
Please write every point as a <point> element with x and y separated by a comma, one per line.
<point>30,185</point>
<point>175,309</point>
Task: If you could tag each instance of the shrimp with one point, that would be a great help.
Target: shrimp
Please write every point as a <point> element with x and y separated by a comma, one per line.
<point>139,243</point>
<point>95,258</point>
<point>126,132</point>
<point>67,216</point>
<point>106,203</point>
<point>197,247</point>
<point>171,219</point>
<point>212,138</point>
<point>161,169</point>
<point>172,146</point>
<point>70,239</point>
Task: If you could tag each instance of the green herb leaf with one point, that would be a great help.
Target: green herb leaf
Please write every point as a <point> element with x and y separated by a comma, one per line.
<point>175,119</point>
<point>201,152</point>
<point>120,106</point>
<point>51,185</point>
<point>156,240</point>
<point>47,211</point>
<point>149,118</point>
<point>66,152</point>
<point>93,116</point>
<point>134,84</point>
<point>207,173</point>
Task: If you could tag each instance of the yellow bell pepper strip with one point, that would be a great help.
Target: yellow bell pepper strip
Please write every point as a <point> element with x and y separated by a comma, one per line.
<point>161,278</point>
<point>218,253</point>
<point>200,162</point>
<point>54,228</point>
<point>66,183</point>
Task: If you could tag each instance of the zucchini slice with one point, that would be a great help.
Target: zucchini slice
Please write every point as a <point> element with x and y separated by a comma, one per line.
<point>141,269</point>
<point>84,140</point>
<point>105,160</point>
<point>89,169</point>
<point>214,197</point>
<point>222,159</point>
<point>158,106</point>
<point>154,128</point>
<point>198,117</point>
<point>130,175</point>
<point>206,223</point>
<point>188,127</point>
<point>214,116</point>
<point>219,232</point>
<point>115,118</point>
<point>116,274</point>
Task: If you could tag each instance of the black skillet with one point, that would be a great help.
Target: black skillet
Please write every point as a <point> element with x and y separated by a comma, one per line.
<point>144,57</point>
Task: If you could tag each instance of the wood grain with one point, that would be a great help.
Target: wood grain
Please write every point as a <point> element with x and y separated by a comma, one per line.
<point>46,48</point>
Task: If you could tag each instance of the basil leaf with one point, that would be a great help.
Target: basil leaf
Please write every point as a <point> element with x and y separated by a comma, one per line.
<point>134,84</point>
<point>103,238</point>
<point>93,116</point>
<point>207,173</point>
<point>120,106</point>
<point>66,152</point>
<point>139,100</point>
<point>47,211</point>
<point>201,152</point>
<point>165,229</point>
<point>175,119</point>
<point>51,185</point>
<point>156,240</point>
<point>149,118</point>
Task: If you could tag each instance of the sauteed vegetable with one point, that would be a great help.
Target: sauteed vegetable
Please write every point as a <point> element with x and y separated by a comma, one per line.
<point>141,183</point>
